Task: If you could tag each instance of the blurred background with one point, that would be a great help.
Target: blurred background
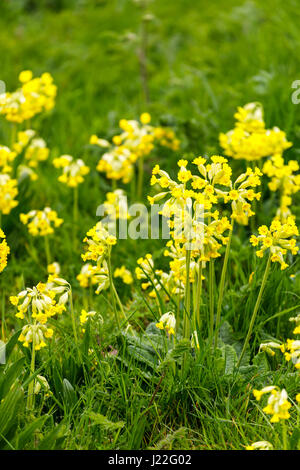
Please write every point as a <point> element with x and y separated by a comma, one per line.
<point>190,64</point>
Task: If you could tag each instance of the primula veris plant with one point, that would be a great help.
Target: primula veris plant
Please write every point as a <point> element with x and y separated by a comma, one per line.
<point>4,251</point>
<point>34,96</point>
<point>250,140</point>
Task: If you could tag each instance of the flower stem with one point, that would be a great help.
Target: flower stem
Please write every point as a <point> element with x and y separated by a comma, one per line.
<point>211,298</point>
<point>284,437</point>
<point>30,397</point>
<point>257,305</point>
<point>222,285</point>
<point>112,292</point>
<point>75,215</point>
<point>73,317</point>
<point>187,297</point>
<point>197,316</point>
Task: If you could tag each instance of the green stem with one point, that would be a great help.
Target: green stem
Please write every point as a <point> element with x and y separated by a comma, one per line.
<point>257,305</point>
<point>112,292</point>
<point>73,317</point>
<point>198,297</point>
<point>211,298</point>
<point>75,215</point>
<point>284,437</point>
<point>222,285</point>
<point>30,398</point>
<point>187,297</point>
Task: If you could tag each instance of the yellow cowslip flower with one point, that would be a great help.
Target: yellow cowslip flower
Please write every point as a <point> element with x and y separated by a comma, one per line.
<point>166,284</point>
<point>94,275</point>
<point>167,322</point>
<point>166,137</point>
<point>85,316</point>
<point>25,76</point>
<point>277,239</point>
<point>137,137</point>
<point>34,148</point>
<point>99,242</point>
<point>145,268</point>
<point>41,223</point>
<point>241,195</point>
<point>268,347</point>
<point>291,351</point>
<point>43,300</point>
<point>7,156</point>
<point>260,445</point>
<point>33,97</point>
<point>116,205</point>
<point>4,251</point>
<point>124,274</point>
<point>145,118</point>
<point>8,192</point>
<point>136,140</point>
<point>277,405</point>
<point>39,304</point>
<point>284,180</point>
<point>53,268</point>
<point>73,170</point>
<point>37,333</point>
<point>117,163</point>
<point>250,140</point>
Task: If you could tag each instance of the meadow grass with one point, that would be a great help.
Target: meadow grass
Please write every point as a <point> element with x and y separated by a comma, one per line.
<point>118,390</point>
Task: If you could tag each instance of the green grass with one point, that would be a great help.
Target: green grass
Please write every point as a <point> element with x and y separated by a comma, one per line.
<point>131,392</point>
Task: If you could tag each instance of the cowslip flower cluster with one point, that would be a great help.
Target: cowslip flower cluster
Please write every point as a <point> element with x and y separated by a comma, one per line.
<point>278,403</point>
<point>116,205</point>
<point>98,242</point>
<point>160,282</point>
<point>8,192</point>
<point>167,322</point>
<point>291,350</point>
<point>4,251</point>
<point>117,164</point>
<point>37,305</point>
<point>140,137</point>
<point>41,223</point>
<point>284,180</point>
<point>250,140</point>
<point>35,148</point>
<point>34,96</point>
<point>85,316</point>
<point>73,170</point>
<point>277,240</point>
<point>124,274</point>
<point>208,187</point>
<point>7,156</point>
<point>241,195</point>
<point>91,275</point>
<point>136,141</point>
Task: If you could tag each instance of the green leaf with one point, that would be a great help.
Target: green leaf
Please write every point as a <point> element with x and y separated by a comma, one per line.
<point>27,434</point>
<point>9,409</point>
<point>261,361</point>
<point>104,422</point>
<point>69,393</point>
<point>295,440</point>
<point>54,438</point>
